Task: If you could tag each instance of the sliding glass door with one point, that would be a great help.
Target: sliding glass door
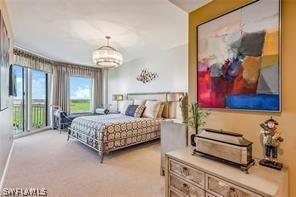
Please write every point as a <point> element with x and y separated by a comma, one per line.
<point>39,99</point>
<point>19,101</point>
<point>30,106</point>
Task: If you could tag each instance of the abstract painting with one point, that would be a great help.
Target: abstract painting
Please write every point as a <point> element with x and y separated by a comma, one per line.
<point>239,59</point>
<point>4,64</point>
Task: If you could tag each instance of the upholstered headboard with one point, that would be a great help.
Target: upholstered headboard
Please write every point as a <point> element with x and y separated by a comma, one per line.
<point>170,106</point>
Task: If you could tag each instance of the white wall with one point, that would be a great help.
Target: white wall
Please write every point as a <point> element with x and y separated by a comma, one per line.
<point>6,115</point>
<point>5,135</point>
<point>171,66</point>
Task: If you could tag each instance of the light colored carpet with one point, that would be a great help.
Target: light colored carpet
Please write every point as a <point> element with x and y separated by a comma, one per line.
<point>47,160</point>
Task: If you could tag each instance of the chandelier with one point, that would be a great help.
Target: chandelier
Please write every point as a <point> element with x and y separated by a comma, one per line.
<point>107,56</point>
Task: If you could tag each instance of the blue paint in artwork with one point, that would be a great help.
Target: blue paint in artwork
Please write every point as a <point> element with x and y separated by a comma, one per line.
<point>231,69</point>
<point>234,67</point>
<point>215,70</point>
<point>253,102</point>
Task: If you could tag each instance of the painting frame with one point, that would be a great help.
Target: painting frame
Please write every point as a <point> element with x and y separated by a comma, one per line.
<point>279,110</point>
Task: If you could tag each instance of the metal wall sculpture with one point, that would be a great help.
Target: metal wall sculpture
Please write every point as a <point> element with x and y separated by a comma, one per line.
<point>146,76</point>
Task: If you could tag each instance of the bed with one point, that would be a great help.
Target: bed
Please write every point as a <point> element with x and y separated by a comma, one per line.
<point>106,133</point>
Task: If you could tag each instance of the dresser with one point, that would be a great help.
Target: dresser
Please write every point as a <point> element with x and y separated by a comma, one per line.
<point>173,136</point>
<point>196,176</point>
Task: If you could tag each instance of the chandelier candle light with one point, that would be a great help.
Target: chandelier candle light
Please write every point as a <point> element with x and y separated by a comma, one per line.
<point>107,56</point>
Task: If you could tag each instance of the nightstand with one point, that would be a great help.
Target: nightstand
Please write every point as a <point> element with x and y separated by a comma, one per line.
<point>113,112</point>
<point>173,135</point>
<point>103,111</point>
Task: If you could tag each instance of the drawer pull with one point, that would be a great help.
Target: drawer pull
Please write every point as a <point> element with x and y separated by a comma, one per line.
<point>232,192</point>
<point>185,171</point>
<point>185,188</point>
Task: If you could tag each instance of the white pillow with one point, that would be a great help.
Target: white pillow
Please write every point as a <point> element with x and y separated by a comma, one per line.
<point>161,108</point>
<point>139,102</point>
<point>124,104</point>
<point>152,109</point>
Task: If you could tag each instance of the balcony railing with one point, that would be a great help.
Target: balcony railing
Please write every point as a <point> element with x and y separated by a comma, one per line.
<point>38,116</point>
<point>17,116</point>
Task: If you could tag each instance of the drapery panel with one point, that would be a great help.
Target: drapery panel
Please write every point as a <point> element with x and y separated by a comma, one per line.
<point>60,85</point>
<point>29,60</point>
<point>61,74</point>
<point>60,77</point>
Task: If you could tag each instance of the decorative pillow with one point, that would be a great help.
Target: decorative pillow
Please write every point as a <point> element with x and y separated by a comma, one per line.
<point>124,104</point>
<point>131,109</point>
<point>161,108</point>
<point>152,109</point>
<point>139,111</point>
<point>139,102</point>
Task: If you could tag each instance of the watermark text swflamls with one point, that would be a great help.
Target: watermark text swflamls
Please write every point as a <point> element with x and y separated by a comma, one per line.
<point>24,192</point>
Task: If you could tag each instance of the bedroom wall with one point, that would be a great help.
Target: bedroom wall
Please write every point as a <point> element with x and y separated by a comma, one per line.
<point>6,115</point>
<point>248,122</point>
<point>170,65</point>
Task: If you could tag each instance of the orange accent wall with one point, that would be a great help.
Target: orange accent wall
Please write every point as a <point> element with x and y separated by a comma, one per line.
<point>248,122</point>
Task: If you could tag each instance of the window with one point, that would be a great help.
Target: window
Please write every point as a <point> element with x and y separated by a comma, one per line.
<point>80,94</point>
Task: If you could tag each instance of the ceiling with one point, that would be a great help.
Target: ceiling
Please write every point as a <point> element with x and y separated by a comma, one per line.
<point>69,30</point>
<point>190,5</point>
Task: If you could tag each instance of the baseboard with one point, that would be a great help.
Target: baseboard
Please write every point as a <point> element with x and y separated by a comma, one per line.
<point>6,168</point>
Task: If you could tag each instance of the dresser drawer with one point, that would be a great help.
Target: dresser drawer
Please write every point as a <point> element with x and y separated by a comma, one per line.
<point>188,173</point>
<point>174,193</point>
<point>209,195</point>
<point>185,188</point>
<point>222,188</point>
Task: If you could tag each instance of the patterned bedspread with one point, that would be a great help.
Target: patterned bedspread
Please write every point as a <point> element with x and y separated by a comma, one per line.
<point>114,130</point>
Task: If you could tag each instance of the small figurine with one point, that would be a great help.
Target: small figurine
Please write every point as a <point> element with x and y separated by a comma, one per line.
<point>271,141</point>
